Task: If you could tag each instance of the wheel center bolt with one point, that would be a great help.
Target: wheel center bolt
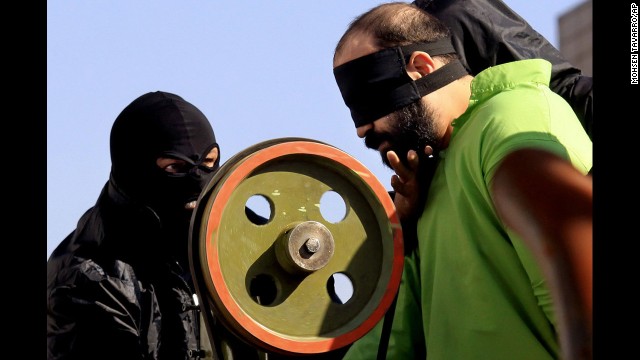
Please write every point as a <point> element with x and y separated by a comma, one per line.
<point>312,245</point>
<point>305,247</point>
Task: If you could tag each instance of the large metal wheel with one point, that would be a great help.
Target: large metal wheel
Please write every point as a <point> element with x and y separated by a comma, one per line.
<point>272,282</point>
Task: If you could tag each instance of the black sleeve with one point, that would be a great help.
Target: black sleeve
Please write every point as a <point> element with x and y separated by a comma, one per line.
<point>488,32</point>
<point>94,317</point>
<point>409,230</point>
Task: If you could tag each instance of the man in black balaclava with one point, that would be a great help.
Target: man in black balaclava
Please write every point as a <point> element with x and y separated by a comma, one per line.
<point>163,151</point>
<point>119,287</point>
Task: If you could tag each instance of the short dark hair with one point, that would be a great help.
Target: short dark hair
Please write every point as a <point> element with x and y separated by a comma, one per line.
<point>397,24</point>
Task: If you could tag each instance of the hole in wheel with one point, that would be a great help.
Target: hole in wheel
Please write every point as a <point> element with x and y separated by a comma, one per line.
<point>340,288</point>
<point>258,209</point>
<point>263,289</point>
<point>332,207</point>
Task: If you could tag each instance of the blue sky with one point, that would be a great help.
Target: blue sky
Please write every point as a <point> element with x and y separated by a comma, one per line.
<point>259,70</point>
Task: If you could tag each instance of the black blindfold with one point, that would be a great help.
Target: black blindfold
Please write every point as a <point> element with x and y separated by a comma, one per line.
<point>377,84</point>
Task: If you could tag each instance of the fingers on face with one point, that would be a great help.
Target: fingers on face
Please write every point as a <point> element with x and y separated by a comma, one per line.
<point>412,157</point>
<point>396,164</point>
<point>399,167</point>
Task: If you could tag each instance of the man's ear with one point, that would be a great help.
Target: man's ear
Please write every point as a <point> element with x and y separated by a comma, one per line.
<point>420,64</point>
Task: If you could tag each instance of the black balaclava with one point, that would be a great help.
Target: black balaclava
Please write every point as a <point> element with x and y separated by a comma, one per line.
<point>161,124</point>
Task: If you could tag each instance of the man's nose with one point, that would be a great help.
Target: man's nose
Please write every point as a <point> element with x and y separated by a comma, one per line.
<point>362,130</point>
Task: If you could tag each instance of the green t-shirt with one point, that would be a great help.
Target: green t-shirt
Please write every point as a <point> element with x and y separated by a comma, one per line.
<point>472,289</point>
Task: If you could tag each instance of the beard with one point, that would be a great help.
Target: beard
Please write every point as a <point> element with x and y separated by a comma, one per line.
<point>412,128</point>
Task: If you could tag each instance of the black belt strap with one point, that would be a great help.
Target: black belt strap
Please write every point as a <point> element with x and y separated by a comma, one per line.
<point>386,330</point>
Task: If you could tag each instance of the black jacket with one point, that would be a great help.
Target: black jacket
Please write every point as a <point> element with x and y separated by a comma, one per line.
<point>107,296</point>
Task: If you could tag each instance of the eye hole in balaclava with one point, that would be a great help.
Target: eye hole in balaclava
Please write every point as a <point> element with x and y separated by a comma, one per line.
<point>155,125</point>
<point>176,165</point>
